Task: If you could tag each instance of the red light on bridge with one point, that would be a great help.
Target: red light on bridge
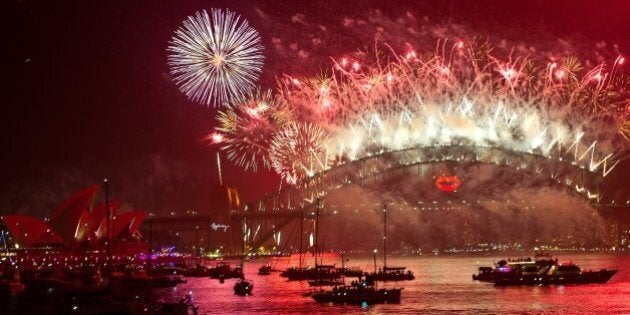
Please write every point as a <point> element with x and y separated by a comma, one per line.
<point>448,183</point>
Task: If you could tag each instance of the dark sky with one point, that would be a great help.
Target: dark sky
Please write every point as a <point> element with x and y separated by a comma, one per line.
<point>88,94</point>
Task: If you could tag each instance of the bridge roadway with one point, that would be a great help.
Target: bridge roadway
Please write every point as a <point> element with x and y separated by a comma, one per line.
<point>234,219</point>
<point>271,222</point>
<point>218,221</point>
<point>231,223</point>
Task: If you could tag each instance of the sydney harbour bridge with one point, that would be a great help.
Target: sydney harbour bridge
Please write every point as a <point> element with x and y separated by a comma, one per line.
<point>262,222</point>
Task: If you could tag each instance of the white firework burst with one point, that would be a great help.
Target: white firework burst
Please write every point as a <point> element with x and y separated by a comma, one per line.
<point>297,151</point>
<point>214,59</point>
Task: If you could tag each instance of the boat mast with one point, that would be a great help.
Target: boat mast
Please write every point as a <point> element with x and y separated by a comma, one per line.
<point>316,230</point>
<point>384,237</point>
<point>343,265</point>
<point>150,243</point>
<point>375,260</point>
<point>244,236</point>
<point>108,214</point>
<point>301,236</point>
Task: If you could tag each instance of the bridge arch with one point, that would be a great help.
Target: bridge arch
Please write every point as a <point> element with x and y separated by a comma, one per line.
<point>288,204</point>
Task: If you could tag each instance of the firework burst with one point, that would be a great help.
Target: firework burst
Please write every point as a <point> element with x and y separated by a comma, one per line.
<point>624,128</point>
<point>297,151</point>
<point>214,59</point>
<point>458,94</point>
<point>247,127</point>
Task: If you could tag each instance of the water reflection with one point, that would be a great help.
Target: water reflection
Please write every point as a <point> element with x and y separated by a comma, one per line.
<point>442,285</point>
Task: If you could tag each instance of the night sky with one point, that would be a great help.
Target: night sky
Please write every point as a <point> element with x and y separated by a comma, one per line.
<point>88,94</point>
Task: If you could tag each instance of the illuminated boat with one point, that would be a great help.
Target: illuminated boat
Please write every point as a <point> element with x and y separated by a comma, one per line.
<point>391,274</point>
<point>360,293</point>
<point>546,271</point>
<point>320,272</point>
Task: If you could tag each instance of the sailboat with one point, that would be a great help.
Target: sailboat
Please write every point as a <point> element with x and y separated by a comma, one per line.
<point>388,273</point>
<point>297,273</point>
<point>265,270</point>
<point>243,286</point>
<point>349,271</point>
<point>320,275</point>
<point>358,292</point>
<point>362,291</point>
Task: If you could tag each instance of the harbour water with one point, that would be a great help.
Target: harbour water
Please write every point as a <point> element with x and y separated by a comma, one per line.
<point>443,285</point>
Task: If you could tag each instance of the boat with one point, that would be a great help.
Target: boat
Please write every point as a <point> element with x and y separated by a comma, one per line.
<point>321,274</point>
<point>93,285</point>
<point>223,271</point>
<point>297,273</point>
<point>486,274</point>
<point>166,270</point>
<point>142,279</point>
<point>322,271</point>
<point>324,275</point>
<point>349,271</point>
<point>391,274</point>
<point>388,273</point>
<point>543,270</point>
<point>358,292</point>
<point>265,270</point>
<point>179,307</point>
<point>324,282</point>
<point>197,272</point>
<point>243,287</point>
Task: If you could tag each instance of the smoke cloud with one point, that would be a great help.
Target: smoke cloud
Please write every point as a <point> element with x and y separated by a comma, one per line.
<point>156,183</point>
<point>494,205</point>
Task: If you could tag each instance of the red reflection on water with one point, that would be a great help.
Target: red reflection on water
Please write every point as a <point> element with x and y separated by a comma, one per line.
<point>442,285</point>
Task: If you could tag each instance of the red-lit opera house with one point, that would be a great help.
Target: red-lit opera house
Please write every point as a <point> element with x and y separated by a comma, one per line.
<point>77,225</point>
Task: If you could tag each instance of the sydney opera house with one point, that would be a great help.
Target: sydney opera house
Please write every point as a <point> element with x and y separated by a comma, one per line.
<point>78,224</point>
